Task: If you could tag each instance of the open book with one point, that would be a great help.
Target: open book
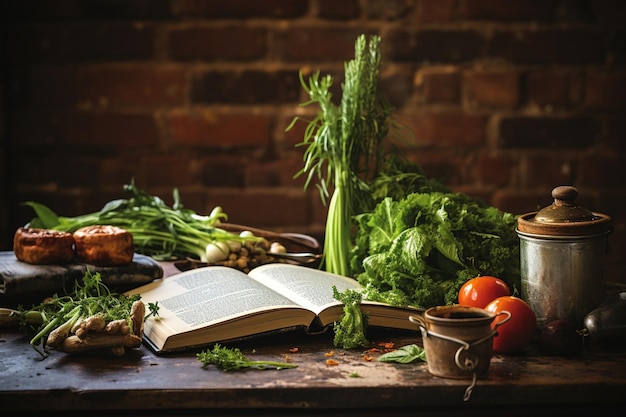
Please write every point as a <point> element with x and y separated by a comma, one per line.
<point>217,304</point>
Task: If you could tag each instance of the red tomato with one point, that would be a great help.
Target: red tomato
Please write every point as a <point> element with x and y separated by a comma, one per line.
<point>480,291</point>
<point>519,331</point>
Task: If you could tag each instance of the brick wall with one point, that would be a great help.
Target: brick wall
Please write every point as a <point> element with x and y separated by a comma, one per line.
<point>504,99</point>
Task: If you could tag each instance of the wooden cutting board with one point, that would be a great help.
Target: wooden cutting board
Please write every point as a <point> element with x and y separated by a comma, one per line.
<point>18,278</point>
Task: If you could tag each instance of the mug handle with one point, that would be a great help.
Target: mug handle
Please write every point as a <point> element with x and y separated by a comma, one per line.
<point>501,322</point>
<point>419,320</point>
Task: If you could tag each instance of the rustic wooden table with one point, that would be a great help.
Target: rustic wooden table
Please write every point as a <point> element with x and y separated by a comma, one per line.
<point>143,383</point>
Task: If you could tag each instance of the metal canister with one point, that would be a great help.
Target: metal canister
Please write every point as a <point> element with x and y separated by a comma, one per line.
<point>562,250</point>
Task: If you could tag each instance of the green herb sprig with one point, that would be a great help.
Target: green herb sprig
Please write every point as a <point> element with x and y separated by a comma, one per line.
<point>231,359</point>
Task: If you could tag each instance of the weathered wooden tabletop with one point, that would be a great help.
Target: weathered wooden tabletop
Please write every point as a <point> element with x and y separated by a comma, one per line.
<point>143,383</point>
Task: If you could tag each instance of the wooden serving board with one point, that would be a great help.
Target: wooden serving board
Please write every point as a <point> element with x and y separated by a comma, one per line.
<point>18,279</point>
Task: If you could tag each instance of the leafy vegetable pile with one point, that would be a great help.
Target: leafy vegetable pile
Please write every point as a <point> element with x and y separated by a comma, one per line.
<point>420,249</point>
<point>406,238</point>
<point>159,231</point>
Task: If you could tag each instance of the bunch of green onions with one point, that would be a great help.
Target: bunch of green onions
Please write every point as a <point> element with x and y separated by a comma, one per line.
<point>159,231</point>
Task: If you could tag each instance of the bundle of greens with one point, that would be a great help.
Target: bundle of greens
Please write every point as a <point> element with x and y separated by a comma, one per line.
<point>420,249</point>
<point>159,231</point>
<point>344,146</point>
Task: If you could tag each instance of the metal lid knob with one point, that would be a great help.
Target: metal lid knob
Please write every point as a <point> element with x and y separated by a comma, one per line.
<point>564,208</point>
<point>564,218</point>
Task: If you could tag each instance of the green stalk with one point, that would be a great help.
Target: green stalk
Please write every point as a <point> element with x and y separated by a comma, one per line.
<point>344,147</point>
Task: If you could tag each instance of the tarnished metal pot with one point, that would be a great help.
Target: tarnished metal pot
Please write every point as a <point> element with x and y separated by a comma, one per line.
<point>562,250</point>
<point>458,340</point>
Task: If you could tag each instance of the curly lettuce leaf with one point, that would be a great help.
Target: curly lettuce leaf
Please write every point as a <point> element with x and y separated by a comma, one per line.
<point>419,250</point>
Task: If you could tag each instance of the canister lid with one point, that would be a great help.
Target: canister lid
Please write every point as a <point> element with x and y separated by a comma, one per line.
<point>563,217</point>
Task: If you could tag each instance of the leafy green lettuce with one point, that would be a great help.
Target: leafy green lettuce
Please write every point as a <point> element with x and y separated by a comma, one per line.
<point>420,249</point>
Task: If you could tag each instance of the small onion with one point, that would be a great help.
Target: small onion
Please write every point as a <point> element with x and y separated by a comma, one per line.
<point>217,252</point>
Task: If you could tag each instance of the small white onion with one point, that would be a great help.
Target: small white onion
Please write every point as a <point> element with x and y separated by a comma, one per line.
<point>217,251</point>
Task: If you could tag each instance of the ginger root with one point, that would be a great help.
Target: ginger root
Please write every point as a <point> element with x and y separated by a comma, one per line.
<point>95,333</point>
<point>117,343</point>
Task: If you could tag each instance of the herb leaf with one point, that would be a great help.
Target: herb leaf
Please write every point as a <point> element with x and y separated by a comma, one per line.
<point>405,354</point>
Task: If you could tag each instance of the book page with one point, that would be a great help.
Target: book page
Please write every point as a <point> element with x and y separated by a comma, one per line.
<point>309,287</point>
<point>313,289</point>
<point>204,296</point>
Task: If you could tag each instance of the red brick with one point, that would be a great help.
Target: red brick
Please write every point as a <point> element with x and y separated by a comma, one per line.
<point>545,132</point>
<point>433,46</point>
<point>396,87</point>
<point>102,130</point>
<point>495,169</point>
<point>527,10</point>
<point>107,86</point>
<point>448,129</point>
<point>317,44</point>
<point>440,85</point>
<point>140,85</point>
<point>565,47</point>
<point>86,9</point>
<point>551,89</point>
<point>603,171</point>
<point>550,170</point>
<point>110,130</point>
<point>605,91</point>
<point>166,170</point>
<point>490,88</point>
<point>445,167</point>
<point>215,129</point>
<point>223,171</point>
<point>118,170</point>
<point>63,41</point>
<point>436,11</point>
<point>387,9</point>
<point>295,134</point>
<point>245,87</point>
<point>74,170</point>
<point>276,173</point>
<point>234,42</point>
<point>269,207</point>
<point>240,9</point>
<point>342,10</point>
<point>522,201</point>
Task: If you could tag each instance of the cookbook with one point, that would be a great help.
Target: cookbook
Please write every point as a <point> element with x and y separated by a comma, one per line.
<point>216,304</point>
